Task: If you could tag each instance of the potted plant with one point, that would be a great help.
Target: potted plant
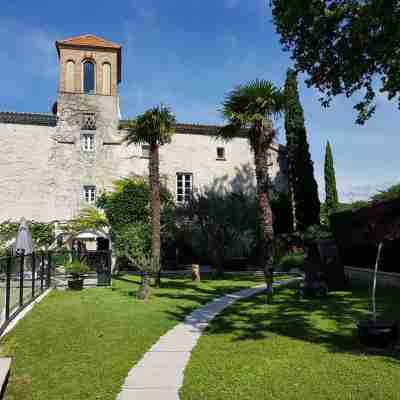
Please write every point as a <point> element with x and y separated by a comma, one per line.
<point>76,271</point>
<point>383,223</point>
<point>374,332</point>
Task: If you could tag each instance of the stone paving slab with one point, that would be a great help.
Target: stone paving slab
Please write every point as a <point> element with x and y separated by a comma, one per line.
<point>146,394</point>
<point>159,374</point>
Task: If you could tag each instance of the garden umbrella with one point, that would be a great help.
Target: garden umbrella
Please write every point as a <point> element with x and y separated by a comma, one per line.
<point>24,238</point>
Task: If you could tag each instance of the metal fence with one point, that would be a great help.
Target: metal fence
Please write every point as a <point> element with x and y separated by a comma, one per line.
<point>25,277</point>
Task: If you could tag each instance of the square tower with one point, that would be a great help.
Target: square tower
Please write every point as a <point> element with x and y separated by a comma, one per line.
<point>89,65</point>
<point>82,154</point>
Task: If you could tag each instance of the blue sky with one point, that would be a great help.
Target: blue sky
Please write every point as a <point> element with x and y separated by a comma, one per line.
<point>188,55</point>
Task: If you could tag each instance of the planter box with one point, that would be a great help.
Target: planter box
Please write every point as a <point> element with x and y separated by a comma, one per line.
<point>378,334</point>
<point>75,284</point>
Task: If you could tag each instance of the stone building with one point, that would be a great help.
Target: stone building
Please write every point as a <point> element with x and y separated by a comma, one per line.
<point>52,165</point>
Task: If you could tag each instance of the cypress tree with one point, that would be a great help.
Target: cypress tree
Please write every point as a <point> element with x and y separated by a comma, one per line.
<point>331,196</point>
<point>302,184</point>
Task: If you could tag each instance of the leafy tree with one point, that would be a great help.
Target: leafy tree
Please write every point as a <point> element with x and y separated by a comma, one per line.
<point>88,218</point>
<point>302,184</point>
<point>155,127</point>
<point>331,196</point>
<point>43,234</point>
<point>134,242</point>
<point>222,225</point>
<point>252,106</point>
<point>393,192</point>
<point>344,46</point>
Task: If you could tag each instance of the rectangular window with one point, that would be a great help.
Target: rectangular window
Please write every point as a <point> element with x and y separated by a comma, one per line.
<point>145,151</point>
<point>90,194</point>
<point>88,142</point>
<point>184,187</point>
<point>220,153</point>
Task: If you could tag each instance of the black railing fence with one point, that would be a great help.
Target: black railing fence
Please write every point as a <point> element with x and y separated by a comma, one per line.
<point>25,277</point>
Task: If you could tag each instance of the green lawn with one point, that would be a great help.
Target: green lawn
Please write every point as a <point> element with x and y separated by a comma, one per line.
<point>293,349</point>
<point>81,345</point>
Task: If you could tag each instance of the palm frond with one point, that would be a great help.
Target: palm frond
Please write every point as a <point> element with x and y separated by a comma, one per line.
<point>228,132</point>
<point>258,99</point>
<point>155,126</point>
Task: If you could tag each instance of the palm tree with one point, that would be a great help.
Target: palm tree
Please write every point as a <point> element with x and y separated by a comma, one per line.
<point>250,109</point>
<point>155,128</point>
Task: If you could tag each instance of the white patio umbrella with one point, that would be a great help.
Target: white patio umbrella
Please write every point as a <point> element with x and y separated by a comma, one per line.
<point>24,238</point>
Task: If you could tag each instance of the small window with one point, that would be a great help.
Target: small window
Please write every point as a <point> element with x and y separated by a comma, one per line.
<point>184,187</point>
<point>90,194</point>
<point>89,122</point>
<point>220,153</point>
<point>88,142</point>
<point>88,77</point>
<point>146,151</point>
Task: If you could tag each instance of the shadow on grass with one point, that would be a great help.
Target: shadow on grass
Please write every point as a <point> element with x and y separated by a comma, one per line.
<point>330,322</point>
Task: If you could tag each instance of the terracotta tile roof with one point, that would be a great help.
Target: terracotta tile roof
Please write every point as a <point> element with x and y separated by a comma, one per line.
<point>88,40</point>
<point>94,42</point>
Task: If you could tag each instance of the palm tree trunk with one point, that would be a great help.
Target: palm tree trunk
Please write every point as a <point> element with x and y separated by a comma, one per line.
<point>262,145</point>
<point>154,172</point>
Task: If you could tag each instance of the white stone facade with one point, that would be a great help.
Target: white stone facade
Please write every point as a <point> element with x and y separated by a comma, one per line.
<point>44,168</point>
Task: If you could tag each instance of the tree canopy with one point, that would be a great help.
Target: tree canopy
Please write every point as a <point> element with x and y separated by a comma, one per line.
<point>302,184</point>
<point>331,195</point>
<point>344,46</point>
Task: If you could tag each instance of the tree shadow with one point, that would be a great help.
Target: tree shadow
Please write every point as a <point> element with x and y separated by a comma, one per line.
<point>329,322</point>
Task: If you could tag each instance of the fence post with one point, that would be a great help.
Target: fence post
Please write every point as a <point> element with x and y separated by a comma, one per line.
<point>33,274</point>
<point>8,287</point>
<point>41,272</point>
<point>48,278</point>
<point>21,278</point>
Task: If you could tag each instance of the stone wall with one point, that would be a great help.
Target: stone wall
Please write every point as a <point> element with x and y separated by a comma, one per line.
<point>197,154</point>
<point>367,275</point>
<point>44,170</point>
<point>26,183</point>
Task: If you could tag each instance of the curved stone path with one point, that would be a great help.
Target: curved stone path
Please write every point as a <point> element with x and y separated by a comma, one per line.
<point>159,374</point>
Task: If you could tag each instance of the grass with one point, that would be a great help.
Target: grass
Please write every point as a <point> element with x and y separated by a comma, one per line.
<point>81,345</point>
<point>293,349</point>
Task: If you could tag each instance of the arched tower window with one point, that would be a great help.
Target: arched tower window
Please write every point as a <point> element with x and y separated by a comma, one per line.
<point>88,77</point>
<point>107,78</point>
<point>70,76</point>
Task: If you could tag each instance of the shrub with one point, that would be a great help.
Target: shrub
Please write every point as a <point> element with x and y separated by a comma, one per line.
<point>222,225</point>
<point>129,203</point>
<point>134,243</point>
<point>76,269</point>
<point>292,260</point>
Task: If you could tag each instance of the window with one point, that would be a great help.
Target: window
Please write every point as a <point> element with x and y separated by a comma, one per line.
<point>89,122</point>
<point>88,142</point>
<point>88,77</point>
<point>90,194</point>
<point>106,78</point>
<point>70,76</point>
<point>184,187</point>
<point>220,153</point>
<point>146,151</point>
